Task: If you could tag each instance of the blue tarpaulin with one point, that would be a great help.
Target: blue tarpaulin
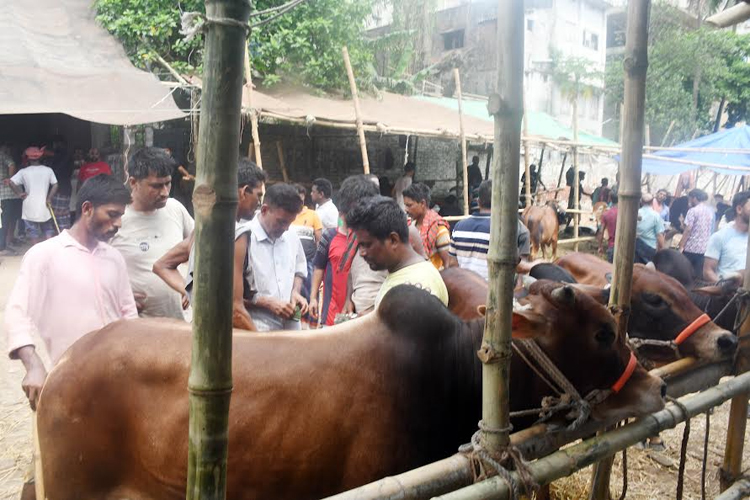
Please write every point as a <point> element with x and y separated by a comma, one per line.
<point>734,138</point>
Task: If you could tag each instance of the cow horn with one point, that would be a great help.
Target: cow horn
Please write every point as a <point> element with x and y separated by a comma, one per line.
<point>564,295</point>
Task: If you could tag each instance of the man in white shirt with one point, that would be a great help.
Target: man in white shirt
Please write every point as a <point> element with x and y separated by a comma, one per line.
<point>322,189</point>
<point>151,226</point>
<point>39,187</point>
<point>726,252</point>
<point>278,262</point>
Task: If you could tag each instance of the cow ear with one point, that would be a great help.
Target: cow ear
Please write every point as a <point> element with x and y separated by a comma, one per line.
<point>482,310</point>
<point>527,324</point>
<point>608,277</point>
<point>712,290</point>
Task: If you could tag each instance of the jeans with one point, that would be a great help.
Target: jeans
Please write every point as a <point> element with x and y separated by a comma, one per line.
<point>643,253</point>
<point>696,260</point>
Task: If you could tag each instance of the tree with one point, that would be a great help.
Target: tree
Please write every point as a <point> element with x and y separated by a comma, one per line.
<point>691,69</point>
<point>303,46</point>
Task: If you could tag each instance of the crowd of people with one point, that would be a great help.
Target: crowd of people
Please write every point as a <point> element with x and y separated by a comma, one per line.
<point>711,235</point>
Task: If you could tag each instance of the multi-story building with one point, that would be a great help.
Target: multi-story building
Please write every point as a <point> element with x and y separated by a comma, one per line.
<point>463,34</point>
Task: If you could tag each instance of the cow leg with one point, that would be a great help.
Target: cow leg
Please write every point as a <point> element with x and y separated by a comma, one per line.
<point>554,250</point>
<point>28,492</point>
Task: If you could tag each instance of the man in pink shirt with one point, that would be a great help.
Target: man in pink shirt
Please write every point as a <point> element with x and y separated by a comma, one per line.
<point>609,223</point>
<point>699,224</point>
<point>71,284</point>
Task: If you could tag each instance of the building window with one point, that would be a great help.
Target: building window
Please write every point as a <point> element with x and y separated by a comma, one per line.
<point>530,25</point>
<point>590,40</point>
<point>453,39</point>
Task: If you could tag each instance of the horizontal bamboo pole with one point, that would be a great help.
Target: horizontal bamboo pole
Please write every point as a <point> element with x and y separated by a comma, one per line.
<point>534,442</point>
<point>697,163</point>
<point>739,490</point>
<point>580,239</point>
<point>565,462</point>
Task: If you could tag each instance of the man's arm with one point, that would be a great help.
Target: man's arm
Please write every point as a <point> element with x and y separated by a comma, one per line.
<point>36,374</point>
<point>317,279</point>
<point>416,241</point>
<point>240,317</point>
<point>348,304</point>
<point>52,193</point>
<point>19,192</point>
<point>166,266</point>
<point>685,236</point>
<point>448,259</point>
<point>660,241</point>
<point>710,270</point>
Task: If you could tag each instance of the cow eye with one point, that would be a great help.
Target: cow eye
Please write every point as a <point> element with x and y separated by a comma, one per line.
<point>605,336</point>
<point>653,299</point>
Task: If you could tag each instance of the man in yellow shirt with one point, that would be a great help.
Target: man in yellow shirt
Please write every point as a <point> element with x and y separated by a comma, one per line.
<point>383,236</point>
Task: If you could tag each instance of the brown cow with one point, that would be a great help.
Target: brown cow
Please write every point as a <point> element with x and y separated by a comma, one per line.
<point>543,227</point>
<point>660,309</point>
<point>312,413</point>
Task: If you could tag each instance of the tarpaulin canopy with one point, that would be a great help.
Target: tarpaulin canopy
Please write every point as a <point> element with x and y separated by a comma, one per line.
<point>733,142</point>
<point>54,58</point>
<point>541,125</point>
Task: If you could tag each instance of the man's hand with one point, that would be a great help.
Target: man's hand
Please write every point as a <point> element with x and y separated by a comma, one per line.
<point>348,307</point>
<point>279,308</point>
<point>185,302</point>
<point>140,301</point>
<point>23,195</point>
<point>32,384</point>
<point>313,308</point>
<point>299,300</point>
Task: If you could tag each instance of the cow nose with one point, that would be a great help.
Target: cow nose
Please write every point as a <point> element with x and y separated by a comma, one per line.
<point>727,343</point>
<point>663,390</point>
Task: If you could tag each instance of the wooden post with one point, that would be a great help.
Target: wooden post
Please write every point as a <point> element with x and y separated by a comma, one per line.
<point>253,113</point>
<point>731,469</point>
<point>357,112</point>
<point>562,171</point>
<point>576,181</point>
<point>526,158</point>
<point>215,202</point>
<point>505,106</point>
<point>464,159</point>
<point>282,163</point>
<point>629,193</point>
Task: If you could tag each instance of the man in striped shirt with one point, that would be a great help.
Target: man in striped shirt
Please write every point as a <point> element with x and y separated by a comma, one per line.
<point>471,237</point>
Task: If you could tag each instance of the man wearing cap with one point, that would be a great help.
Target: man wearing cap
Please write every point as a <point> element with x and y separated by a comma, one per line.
<point>649,231</point>
<point>39,187</point>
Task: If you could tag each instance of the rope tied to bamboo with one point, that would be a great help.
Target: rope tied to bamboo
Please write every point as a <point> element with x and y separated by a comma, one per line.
<point>485,463</point>
<point>194,23</point>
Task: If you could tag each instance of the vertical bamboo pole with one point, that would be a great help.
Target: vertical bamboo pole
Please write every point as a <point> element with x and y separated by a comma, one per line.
<point>282,163</point>
<point>562,171</point>
<point>576,182</point>
<point>357,112</point>
<point>215,201</point>
<point>635,65</point>
<point>464,159</point>
<point>731,469</point>
<point>526,158</point>
<point>253,113</point>
<point>505,106</point>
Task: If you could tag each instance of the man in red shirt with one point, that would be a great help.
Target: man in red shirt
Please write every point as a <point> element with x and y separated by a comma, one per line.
<point>94,167</point>
<point>609,223</point>
<point>332,264</point>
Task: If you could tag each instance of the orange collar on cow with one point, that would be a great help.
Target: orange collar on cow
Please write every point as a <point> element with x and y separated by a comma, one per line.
<point>617,386</point>
<point>692,328</point>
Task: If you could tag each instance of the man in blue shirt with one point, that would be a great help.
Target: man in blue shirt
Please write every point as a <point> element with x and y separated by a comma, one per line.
<point>649,231</point>
<point>727,248</point>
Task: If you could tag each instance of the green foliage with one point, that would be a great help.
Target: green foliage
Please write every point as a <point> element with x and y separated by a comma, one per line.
<point>301,47</point>
<point>574,76</point>
<point>145,26</point>
<point>679,57</point>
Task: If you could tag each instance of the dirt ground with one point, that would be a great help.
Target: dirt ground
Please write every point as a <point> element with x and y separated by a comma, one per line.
<point>651,475</point>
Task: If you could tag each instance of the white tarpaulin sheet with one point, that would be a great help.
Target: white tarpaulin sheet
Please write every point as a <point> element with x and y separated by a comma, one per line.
<point>55,58</point>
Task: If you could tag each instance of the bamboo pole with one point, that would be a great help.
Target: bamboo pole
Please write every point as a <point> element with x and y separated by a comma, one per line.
<point>666,135</point>
<point>357,112</point>
<point>635,65</point>
<point>215,202</point>
<point>569,460</point>
<point>576,180</point>
<point>526,159</point>
<point>739,490</point>
<point>171,70</point>
<point>253,113</point>
<point>732,466</point>
<point>282,163</point>
<point>505,106</point>
<point>464,159</point>
<point>562,171</point>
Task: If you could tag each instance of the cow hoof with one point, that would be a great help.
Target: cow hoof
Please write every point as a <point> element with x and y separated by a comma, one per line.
<point>28,492</point>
